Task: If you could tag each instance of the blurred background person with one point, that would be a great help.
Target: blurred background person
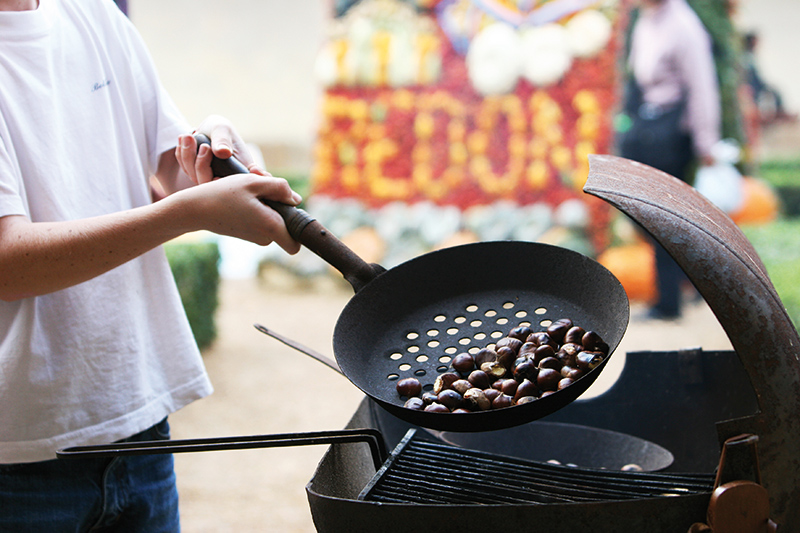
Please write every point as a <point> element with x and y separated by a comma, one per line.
<point>767,98</point>
<point>673,102</point>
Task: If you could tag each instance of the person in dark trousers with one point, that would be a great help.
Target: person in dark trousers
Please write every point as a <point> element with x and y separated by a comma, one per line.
<point>673,102</point>
<point>95,346</point>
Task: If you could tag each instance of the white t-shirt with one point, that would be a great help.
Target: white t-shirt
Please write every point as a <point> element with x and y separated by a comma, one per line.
<point>83,119</point>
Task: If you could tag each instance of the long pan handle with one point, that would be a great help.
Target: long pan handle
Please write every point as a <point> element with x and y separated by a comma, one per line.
<point>325,360</point>
<point>306,230</point>
<point>370,436</point>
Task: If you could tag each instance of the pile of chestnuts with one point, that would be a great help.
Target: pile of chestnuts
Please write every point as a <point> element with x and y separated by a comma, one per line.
<point>519,368</point>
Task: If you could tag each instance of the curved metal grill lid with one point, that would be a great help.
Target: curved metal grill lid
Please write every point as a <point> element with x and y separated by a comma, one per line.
<point>728,273</point>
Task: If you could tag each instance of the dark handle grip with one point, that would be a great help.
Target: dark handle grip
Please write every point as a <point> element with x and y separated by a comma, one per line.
<point>304,229</point>
<point>296,219</point>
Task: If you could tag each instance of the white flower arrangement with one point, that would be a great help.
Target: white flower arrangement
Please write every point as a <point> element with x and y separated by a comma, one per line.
<point>588,33</point>
<point>494,59</point>
<point>547,54</point>
<point>326,67</point>
<point>380,42</point>
<point>500,54</point>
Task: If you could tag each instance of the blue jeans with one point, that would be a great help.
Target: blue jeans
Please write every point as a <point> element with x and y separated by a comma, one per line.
<point>119,494</point>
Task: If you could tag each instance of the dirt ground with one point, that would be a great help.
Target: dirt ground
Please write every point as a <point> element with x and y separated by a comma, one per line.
<point>263,490</point>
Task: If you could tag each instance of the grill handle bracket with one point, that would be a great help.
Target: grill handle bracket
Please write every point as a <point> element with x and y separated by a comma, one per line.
<point>370,436</point>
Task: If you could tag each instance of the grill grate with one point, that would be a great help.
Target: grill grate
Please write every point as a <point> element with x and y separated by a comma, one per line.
<point>419,471</point>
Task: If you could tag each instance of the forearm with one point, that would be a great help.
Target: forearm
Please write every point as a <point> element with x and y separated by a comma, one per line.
<point>42,257</point>
<point>38,258</point>
<point>45,257</point>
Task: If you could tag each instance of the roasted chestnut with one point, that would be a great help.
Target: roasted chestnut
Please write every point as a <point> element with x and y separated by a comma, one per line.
<point>571,372</point>
<point>505,356</point>
<point>527,348</point>
<point>574,335</point>
<point>526,370</point>
<point>550,362</point>
<point>511,342</point>
<point>409,387</point>
<point>485,355</point>
<point>494,370</point>
<point>520,332</point>
<point>526,388</point>
<point>548,379</point>
<point>589,360</point>
<point>463,363</point>
<point>480,379</point>
<point>567,357</point>
<point>571,348</point>
<point>450,399</point>
<point>491,394</point>
<point>568,353</point>
<point>429,397</point>
<point>415,403</point>
<point>541,337</point>
<point>590,341</point>
<point>502,401</point>
<point>559,328</point>
<point>461,386</point>
<point>545,350</point>
<point>477,400</point>
<point>509,386</point>
<point>565,382</point>
<point>445,381</point>
<point>436,408</point>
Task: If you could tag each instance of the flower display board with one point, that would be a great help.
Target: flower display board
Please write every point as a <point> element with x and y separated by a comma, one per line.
<point>467,103</point>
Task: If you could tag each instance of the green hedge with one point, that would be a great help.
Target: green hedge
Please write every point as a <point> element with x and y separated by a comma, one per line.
<point>727,48</point>
<point>784,176</point>
<point>195,266</point>
<point>781,173</point>
<point>778,245</point>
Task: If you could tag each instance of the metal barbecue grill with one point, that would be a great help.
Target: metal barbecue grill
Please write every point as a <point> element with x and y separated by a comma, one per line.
<point>672,415</point>
<point>689,402</point>
<point>435,479</point>
<point>425,472</point>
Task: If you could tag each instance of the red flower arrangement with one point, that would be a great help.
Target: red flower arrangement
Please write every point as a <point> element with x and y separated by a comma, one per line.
<point>447,144</point>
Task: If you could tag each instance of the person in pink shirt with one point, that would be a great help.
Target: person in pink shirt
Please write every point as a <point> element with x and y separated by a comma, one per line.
<point>673,102</point>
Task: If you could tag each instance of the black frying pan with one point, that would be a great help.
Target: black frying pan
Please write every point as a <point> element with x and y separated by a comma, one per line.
<point>411,320</point>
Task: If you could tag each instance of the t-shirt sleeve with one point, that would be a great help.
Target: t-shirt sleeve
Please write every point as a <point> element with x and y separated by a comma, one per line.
<point>11,188</point>
<point>166,121</point>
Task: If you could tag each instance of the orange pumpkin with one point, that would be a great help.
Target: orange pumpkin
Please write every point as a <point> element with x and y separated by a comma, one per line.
<point>760,203</point>
<point>366,243</point>
<point>634,265</point>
